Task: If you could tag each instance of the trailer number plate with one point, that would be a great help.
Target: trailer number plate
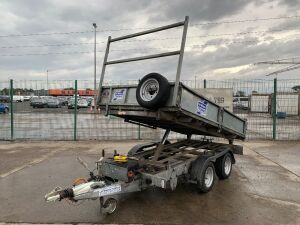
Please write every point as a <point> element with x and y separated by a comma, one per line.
<point>109,190</point>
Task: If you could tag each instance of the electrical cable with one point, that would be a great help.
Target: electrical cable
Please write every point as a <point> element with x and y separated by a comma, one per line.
<point>153,39</point>
<point>142,49</point>
<point>122,29</point>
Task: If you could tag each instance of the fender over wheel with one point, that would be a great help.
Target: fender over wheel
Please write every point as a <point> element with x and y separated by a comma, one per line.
<point>140,147</point>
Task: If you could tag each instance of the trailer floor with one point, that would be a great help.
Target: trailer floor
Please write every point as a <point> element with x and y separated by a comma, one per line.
<point>264,188</point>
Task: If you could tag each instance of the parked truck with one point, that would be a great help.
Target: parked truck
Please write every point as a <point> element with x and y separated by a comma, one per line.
<point>157,103</point>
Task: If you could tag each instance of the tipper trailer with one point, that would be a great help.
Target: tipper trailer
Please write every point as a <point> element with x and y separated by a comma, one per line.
<point>157,103</point>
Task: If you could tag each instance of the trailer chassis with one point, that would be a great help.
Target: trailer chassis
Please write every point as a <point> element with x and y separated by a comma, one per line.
<point>157,164</point>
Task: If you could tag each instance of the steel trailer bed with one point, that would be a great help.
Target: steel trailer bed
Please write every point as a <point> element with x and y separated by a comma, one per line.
<point>160,164</point>
<point>185,117</point>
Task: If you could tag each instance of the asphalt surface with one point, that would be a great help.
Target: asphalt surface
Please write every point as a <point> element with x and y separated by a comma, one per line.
<point>264,188</point>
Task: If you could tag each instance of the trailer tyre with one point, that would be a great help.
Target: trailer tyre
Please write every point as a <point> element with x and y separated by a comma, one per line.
<point>110,206</point>
<point>224,166</point>
<point>153,91</point>
<point>206,178</point>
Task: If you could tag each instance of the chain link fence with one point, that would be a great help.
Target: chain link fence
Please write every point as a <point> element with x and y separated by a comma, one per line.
<point>288,110</point>
<point>5,119</point>
<point>271,107</point>
<point>257,114</point>
<point>47,110</point>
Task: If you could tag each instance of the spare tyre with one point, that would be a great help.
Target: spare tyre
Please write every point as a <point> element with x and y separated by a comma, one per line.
<point>153,91</point>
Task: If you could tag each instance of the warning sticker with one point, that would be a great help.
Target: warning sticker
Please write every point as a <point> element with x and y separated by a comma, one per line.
<point>118,95</point>
<point>202,107</point>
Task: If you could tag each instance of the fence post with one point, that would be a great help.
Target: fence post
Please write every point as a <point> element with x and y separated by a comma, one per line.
<point>75,112</point>
<point>274,108</point>
<point>204,83</point>
<point>11,93</point>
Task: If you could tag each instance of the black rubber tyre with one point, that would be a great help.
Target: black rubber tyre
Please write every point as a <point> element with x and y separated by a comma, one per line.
<point>197,173</point>
<point>224,166</point>
<point>153,91</point>
<point>6,110</point>
<point>110,206</point>
<point>201,179</point>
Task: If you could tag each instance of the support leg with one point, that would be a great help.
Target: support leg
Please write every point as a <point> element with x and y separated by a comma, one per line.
<point>160,146</point>
<point>165,137</point>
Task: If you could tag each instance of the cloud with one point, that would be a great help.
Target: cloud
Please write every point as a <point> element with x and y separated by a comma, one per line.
<point>291,3</point>
<point>219,47</point>
<point>204,10</point>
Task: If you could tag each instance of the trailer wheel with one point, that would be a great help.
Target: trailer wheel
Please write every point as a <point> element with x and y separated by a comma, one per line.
<point>206,178</point>
<point>110,206</point>
<point>224,166</point>
<point>153,91</point>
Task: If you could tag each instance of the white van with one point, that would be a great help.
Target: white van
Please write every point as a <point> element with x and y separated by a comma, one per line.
<point>241,102</point>
<point>18,98</point>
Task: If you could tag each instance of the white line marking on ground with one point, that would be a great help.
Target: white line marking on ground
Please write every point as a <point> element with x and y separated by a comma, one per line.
<point>33,162</point>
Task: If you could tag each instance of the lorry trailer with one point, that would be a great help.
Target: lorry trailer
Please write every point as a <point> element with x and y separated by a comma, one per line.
<point>157,103</point>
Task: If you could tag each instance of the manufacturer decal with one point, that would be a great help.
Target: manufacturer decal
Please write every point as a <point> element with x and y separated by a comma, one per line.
<point>109,190</point>
<point>118,95</point>
<point>202,107</point>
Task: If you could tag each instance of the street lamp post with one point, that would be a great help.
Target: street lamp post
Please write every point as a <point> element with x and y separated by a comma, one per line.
<point>95,48</point>
<point>47,83</point>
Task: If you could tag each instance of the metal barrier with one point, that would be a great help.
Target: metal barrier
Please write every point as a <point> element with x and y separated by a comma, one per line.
<point>271,108</point>
<point>179,52</point>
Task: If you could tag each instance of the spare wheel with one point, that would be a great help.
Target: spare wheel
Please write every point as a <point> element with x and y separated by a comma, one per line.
<point>153,91</point>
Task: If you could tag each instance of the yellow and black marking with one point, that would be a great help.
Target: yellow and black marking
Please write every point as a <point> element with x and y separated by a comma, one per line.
<point>120,158</point>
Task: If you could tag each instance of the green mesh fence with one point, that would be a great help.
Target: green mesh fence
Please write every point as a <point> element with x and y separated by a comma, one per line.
<point>288,110</point>
<point>250,103</point>
<point>5,125</point>
<point>53,119</point>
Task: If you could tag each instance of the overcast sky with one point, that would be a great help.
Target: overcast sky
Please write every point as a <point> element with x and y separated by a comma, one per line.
<point>213,51</point>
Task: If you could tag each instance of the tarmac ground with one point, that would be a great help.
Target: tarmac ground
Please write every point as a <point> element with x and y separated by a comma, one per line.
<point>264,187</point>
